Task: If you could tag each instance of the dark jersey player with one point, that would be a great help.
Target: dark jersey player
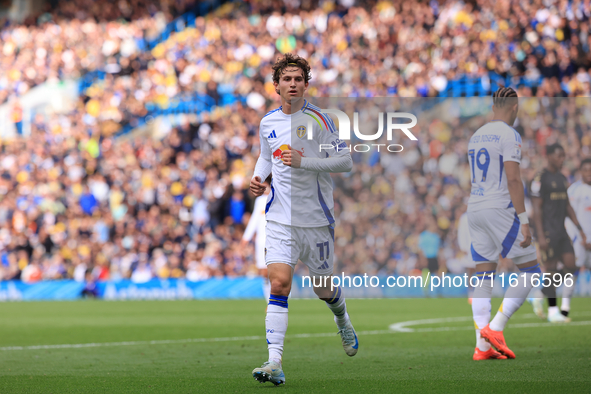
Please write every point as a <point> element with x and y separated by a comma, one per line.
<point>551,207</point>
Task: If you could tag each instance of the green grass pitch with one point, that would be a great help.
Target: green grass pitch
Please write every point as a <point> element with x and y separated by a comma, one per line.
<point>434,356</point>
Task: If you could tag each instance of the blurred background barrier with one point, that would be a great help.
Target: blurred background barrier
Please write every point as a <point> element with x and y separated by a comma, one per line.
<point>227,288</point>
<point>155,289</point>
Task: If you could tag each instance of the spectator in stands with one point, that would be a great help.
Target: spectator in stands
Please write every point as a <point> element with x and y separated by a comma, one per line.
<point>90,290</point>
<point>74,198</point>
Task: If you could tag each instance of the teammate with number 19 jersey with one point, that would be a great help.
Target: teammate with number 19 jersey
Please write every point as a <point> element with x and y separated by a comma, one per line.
<point>492,145</point>
<point>496,231</point>
<point>496,214</point>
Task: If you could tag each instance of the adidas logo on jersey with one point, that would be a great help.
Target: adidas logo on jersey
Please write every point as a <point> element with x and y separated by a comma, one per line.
<point>323,266</point>
<point>272,135</point>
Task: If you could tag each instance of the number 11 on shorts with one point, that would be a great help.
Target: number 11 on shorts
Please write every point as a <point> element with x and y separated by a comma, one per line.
<point>321,246</point>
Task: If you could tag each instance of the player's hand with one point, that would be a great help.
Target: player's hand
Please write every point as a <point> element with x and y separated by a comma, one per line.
<point>526,236</point>
<point>291,158</point>
<point>584,239</point>
<point>543,243</point>
<point>256,186</point>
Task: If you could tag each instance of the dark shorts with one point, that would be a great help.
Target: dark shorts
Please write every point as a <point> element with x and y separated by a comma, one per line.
<point>433,265</point>
<point>558,245</point>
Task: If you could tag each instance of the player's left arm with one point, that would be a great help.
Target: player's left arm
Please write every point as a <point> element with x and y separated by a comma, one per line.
<point>338,155</point>
<point>512,159</point>
<point>342,163</point>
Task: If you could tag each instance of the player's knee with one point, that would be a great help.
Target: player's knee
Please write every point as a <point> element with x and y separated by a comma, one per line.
<point>280,286</point>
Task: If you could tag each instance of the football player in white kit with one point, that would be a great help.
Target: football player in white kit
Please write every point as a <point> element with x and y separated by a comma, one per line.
<point>579,195</point>
<point>257,224</point>
<point>498,223</point>
<point>300,214</point>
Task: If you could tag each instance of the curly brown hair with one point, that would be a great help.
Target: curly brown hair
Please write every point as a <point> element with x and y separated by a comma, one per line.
<point>290,59</point>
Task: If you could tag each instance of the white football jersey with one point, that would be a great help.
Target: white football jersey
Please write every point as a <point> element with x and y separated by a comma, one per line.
<point>300,197</point>
<point>579,195</point>
<point>489,148</point>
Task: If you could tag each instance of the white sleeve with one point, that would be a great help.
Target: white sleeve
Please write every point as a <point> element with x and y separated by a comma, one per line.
<point>510,146</point>
<point>264,164</point>
<point>338,156</point>
<point>330,164</point>
<point>331,137</point>
<point>251,227</point>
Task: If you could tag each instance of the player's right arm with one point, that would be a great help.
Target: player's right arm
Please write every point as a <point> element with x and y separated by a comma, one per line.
<point>536,199</point>
<point>515,187</point>
<point>263,167</point>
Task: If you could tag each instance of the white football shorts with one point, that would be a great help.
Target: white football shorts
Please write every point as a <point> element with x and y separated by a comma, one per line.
<point>314,246</point>
<point>497,231</point>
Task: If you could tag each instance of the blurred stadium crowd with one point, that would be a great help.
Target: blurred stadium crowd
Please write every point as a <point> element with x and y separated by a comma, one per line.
<point>75,198</point>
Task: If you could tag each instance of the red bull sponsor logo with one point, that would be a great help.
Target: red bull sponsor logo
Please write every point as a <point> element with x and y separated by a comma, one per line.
<point>278,154</point>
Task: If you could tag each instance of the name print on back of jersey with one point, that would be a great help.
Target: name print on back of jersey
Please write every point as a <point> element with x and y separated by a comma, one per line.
<point>488,149</point>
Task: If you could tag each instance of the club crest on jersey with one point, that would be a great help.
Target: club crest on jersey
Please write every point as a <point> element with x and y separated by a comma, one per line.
<point>301,131</point>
